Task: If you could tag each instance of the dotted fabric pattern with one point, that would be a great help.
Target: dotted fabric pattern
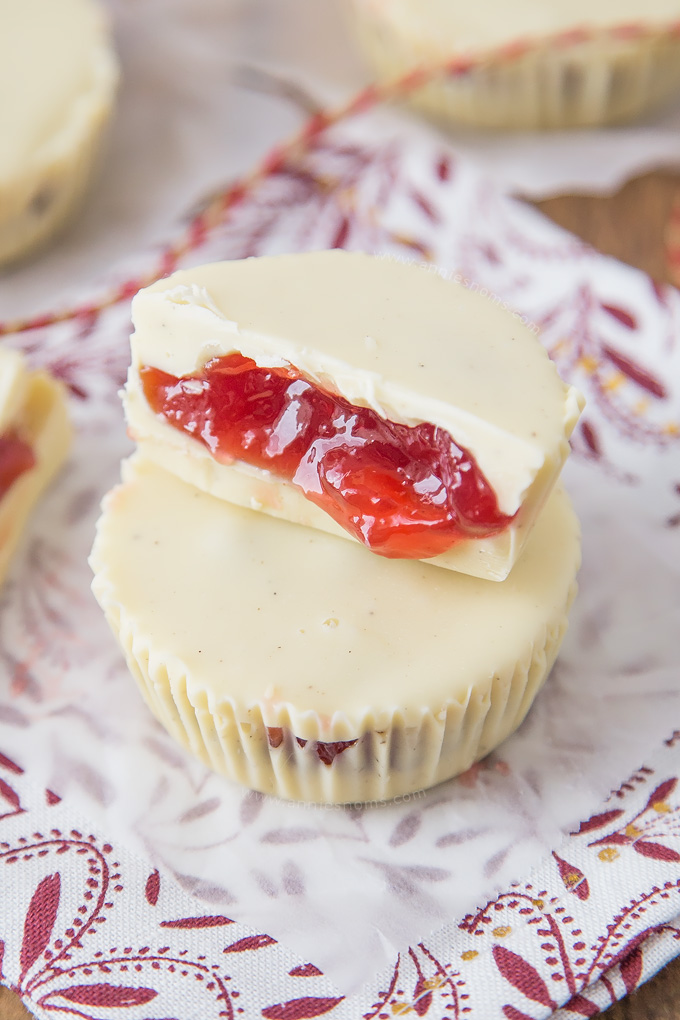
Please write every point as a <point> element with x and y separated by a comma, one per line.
<point>90,929</point>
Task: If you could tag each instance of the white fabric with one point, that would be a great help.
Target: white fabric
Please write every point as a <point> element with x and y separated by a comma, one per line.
<point>387,876</point>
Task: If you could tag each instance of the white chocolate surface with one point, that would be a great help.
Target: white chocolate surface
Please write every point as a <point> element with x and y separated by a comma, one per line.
<point>34,406</point>
<point>58,77</point>
<point>394,337</point>
<point>451,26</point>
<point>262,612</point>
<point>54,59</point>
<point>13,386</point>
<point>251,639</point>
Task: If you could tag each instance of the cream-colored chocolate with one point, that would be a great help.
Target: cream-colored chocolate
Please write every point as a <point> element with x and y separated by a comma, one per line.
<point>32,405</point>
<point>528,69</point>
<point>394,337</point>
<point>443,26</point>
<point>58,76</point>
<point>233,623</point>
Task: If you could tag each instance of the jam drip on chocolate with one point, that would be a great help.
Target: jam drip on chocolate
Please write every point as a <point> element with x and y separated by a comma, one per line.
<point>16,457</point>
<point>403,491</point>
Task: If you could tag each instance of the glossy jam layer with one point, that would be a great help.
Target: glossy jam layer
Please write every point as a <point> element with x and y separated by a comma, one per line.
<point>16,457</point>
<point>404,491</point>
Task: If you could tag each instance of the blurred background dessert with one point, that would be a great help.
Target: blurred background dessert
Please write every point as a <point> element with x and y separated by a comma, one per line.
<point>58,77</point>
<point>528,64</point>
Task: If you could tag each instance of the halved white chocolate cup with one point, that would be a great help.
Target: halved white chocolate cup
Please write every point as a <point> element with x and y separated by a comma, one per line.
<point>33,407</point>
<point>392,337</point>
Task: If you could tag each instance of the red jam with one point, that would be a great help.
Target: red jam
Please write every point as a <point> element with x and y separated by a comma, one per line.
<point>16,457</point>
<point>404,491</point>
<point>326,751</point>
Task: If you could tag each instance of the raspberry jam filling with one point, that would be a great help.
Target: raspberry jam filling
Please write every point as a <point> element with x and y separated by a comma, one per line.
<point>326,751</point>
<point>403,491</point>
<point>16,457</point>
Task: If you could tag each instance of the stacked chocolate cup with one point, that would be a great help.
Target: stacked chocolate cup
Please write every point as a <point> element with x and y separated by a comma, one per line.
<point>340,561</point>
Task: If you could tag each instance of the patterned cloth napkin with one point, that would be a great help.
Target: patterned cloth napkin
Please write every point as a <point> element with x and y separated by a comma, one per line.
<point>154,889</point>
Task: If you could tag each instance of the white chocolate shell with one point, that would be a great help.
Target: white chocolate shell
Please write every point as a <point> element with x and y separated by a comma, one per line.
<point>58,77</point>
<point>529,65</point>
<point>382,334</point>
<point>33,405</point>
<point>258,643</point>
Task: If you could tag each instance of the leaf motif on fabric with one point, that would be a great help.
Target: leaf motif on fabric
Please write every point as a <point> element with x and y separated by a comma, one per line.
<point>342,233</point>
<point>10,796</point>
<point>631,969</point>
<point>422,997</point>
<point>591,438</point>
<point>199,810</point>
<point>300,1009</point>
<point>250,942</point>
<point>11,766</point>
<point>153,887</point>
<point>305,970</point>
<point>621,315</point>
<point>427,873</point>
<point>444,167</point>
<point>101,994</point>
<point>522,976</point>
<point>657,851</point>
<point>209,892</point>
<point>39,921</point>
<point>425,205</point>
<point>456,838</point>
<point>405,829</point>
<point>90,779</point>
<point>662,792</point>
<point>618,838</point>
<point>13,717</point>
<point>573,878</point>
<point>293,879</point>
<point>403,880</point>
<point>599,821</point>
<point>490,254</point>
<point>292,835</point>
<point>208,921</point>
<point>496,862</point>
<point>251,805</point>
<point>636,373</point>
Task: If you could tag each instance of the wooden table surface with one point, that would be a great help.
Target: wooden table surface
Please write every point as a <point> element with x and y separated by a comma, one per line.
<point>640,225</point>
